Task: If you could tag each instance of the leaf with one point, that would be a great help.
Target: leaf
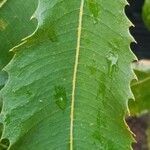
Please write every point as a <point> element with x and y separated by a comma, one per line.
<point>15,24</point>
<point>68,84</point>
<point>2,2</point>
<point>141,88</point>
<point>146,13</point>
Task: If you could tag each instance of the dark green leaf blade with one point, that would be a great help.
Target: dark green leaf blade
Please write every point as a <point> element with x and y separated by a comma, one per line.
<point>146,13</point>
<point>68,84</point>
<point>15,24</point>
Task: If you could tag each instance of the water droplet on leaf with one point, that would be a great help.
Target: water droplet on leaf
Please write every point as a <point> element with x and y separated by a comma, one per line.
<point>112,59</point>
<point>45,32</point>
<point>101,87</point>
<point>94,9</point>
<point>52,34</point>
<point>93,68</point>
<point>91,124</point>
<point>60,97</point>
<point>40,101</point>
<point>3,25</point>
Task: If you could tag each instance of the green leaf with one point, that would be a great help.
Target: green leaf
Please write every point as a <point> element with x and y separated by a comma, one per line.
<point>68,85</point>
<point>146,13</point>
<point>141,88</point>
<point>15,24</point>
<point>2,2</point>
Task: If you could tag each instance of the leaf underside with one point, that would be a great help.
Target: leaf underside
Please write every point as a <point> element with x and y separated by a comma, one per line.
<point>68,85</point>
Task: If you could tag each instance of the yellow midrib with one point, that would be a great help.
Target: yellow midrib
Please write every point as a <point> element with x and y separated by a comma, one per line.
<point>75,74</point>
